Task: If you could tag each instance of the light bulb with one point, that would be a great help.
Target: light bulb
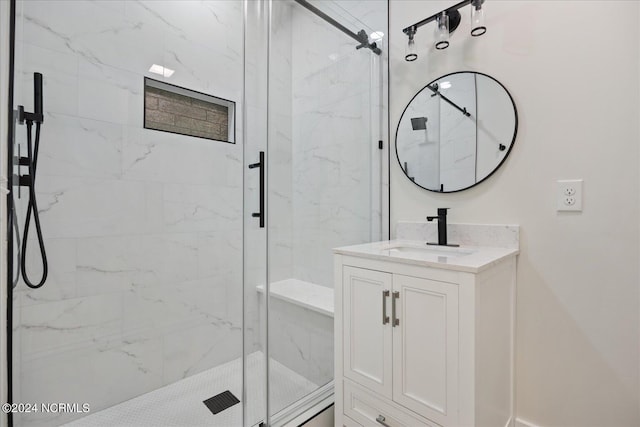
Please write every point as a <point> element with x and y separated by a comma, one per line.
<point>410,50</point>
<point>376,36</point>
<point>410,54</point>
<point>477,19</point>
<point>442,31</point>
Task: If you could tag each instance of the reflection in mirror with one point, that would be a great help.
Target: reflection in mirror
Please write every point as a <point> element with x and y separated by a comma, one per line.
<point>456,132</point>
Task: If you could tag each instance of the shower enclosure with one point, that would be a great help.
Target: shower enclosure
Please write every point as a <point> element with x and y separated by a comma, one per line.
<point>198,162</point>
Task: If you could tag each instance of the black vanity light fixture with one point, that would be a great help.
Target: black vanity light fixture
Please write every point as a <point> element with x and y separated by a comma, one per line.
<point>446,23</point>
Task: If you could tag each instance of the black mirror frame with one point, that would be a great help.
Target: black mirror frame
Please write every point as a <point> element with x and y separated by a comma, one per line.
<point>513,140</point>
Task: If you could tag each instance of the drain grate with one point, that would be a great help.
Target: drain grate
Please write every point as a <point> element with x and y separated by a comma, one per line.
<point>220,402</point>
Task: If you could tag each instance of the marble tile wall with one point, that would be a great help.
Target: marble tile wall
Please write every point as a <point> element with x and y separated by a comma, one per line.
<point>303,341</point>
<point>280,142</point>
<point>323,168</point>
<point>445,153</point>
<point>254,248</point>
<point>458,134</point>
<point>334,150</point>
<point>143,228</point>
<point>420,149</point>
<point>496,119</point>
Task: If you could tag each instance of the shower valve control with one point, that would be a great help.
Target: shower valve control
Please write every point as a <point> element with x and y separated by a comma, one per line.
<point>569,195</point>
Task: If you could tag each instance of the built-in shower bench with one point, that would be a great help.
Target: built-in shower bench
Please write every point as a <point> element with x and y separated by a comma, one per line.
<point>305,294</point>
<point>301,327</point>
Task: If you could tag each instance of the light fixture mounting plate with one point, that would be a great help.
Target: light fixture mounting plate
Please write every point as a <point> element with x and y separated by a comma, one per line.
<point>454,20</point>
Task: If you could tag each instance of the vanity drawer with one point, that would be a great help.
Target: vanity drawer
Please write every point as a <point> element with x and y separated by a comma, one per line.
<point>369,410</point>
<point>348,422</point>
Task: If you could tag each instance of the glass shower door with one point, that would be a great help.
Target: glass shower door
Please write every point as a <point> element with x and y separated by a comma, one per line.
<point>324,183</point>
<point>141,314</point>
<point>256,21</point>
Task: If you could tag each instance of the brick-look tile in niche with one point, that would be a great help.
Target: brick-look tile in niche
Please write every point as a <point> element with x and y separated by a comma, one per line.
<point>174,109</point>
<point>151,102</point>
<point>156,116</point>
<point>181,110</point>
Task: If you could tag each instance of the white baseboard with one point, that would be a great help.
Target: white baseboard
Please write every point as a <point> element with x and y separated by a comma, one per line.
<point>524,423</point>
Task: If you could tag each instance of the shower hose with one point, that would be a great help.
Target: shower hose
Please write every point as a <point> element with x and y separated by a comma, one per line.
<point>31,161</point>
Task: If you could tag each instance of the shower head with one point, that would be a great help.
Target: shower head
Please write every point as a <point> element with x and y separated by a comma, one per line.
<point>419,123</point>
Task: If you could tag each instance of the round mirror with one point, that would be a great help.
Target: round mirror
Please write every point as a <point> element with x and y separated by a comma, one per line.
<point>456,132</point>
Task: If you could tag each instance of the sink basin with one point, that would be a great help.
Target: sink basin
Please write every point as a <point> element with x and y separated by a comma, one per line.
<point>428,251</point>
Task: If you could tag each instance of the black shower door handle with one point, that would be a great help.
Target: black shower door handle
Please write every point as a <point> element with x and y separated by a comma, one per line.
<point>260,165</point>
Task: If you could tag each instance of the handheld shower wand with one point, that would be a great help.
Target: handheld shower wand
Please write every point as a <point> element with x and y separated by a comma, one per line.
<point>29,180</point>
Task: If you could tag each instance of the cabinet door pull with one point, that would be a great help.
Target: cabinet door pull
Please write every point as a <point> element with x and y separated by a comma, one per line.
<point>396,296</point>
<point>385,318</point>
<point>382,420</point>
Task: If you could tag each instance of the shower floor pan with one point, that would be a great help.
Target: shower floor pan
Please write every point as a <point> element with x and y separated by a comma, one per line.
<point>180,403</point>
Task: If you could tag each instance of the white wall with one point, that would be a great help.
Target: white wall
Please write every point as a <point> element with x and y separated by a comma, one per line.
<point>575,83</point>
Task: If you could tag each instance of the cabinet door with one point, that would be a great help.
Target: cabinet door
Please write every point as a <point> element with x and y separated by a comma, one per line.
<point>367,335</point>
<point>425,348</point>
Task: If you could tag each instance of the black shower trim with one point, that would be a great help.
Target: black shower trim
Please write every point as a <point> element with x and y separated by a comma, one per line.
<point>10,208</point>
<point>361,37</point>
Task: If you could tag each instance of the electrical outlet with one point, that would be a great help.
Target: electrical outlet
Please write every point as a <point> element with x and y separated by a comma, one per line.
<point>569,195</point>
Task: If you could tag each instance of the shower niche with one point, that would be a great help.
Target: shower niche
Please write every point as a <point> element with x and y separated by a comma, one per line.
<point>175,109</point>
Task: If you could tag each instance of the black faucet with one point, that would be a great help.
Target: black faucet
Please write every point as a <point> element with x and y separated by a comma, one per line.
<point>442,227</point>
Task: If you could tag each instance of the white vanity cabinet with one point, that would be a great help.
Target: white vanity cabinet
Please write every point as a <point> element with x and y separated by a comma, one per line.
<point>424,340</point>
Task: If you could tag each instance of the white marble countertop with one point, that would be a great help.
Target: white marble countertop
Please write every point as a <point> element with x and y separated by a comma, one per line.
<point>471,259</point>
